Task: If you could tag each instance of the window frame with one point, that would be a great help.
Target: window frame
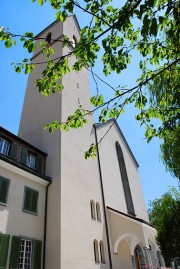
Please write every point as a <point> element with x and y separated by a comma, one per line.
<point>93,210</point>
<point>30,210</point>
<point>23,250</point>
<point>74,41</point>
<point>102,253</point>
<point>4,141</point>
<point>98,212</point>
<point>31,160</point>
<point>7,191</point>
<point>96,251</point>
<point>36,257</point>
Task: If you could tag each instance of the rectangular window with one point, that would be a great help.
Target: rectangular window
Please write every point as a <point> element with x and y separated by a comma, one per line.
<point>4,146</point>
<point>30,200</point>
<point>25,254</point>
<point>31,160</point>
<point>4,189</point>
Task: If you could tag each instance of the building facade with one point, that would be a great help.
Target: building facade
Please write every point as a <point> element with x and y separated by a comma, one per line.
<point>86,213</point>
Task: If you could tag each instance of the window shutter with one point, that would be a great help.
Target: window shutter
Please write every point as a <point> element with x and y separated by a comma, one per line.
<point>38,164</point>
<point>24,156</point>
<point>34,198</point>
<point>15,248</point>
<point>13,153</point>
<point>37,254</point>
<point>4,187</point>
<point>27,199</point>
<point>4,244</point>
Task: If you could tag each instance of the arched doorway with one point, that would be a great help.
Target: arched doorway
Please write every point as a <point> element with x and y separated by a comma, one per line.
<point>139,257</point>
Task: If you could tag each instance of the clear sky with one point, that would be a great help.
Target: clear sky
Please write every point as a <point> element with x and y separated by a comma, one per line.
<point>21,16</point>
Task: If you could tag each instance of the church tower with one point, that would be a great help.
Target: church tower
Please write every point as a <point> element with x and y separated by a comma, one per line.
<point>75,181</point>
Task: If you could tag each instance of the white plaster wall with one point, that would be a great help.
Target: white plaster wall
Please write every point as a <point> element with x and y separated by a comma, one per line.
<point>114,193</point>
<point>13,220</point>
<point>79,177</point>
<point>122,260</point>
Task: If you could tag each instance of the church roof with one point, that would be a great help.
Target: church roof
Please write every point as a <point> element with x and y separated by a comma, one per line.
<point>113,121</point>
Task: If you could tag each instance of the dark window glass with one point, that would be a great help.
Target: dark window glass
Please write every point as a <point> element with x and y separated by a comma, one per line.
<point>48,38</point>
<point>125,181</point>
<point>4,189</point>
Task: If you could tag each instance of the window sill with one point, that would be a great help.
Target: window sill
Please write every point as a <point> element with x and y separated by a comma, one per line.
<point>30,212</point>
<point>3,204</point>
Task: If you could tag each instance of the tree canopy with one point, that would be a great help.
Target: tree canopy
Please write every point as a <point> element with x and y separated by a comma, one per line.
<point>150,28</point>
<point>164,215</point>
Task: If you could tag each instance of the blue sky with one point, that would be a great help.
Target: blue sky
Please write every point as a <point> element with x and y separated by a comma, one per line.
<point>21,16</point>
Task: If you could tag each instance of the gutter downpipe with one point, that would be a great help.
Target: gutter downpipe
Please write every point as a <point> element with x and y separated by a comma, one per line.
<point>45,225</point>
<point>103,199</point>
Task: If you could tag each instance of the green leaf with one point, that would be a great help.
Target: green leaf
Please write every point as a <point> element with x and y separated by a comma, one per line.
<point>61,15</point>
<point>8,43</point>
<point>109,9</point>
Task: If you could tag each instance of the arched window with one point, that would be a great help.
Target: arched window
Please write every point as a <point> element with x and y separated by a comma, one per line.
<point>96,251</point>
<point>139,257</point>
<point>102,254</point>
<point>125,181</point>
<point>92,206</point>
<point>48,38</point>
<point>74,41</point>
<point>98,212</point>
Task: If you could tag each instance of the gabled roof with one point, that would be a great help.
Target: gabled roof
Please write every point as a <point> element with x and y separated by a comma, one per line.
<point>113,121</point>
<point>57,21</point>
<point>129,216</point>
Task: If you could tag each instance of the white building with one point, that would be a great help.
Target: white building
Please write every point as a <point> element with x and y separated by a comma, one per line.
<point>85,213</point>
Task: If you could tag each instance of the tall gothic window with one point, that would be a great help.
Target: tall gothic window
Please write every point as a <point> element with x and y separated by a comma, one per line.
<point>98,212</point>
<point>102,254</point>
<point>125,181</point>
<point>92,205</point>
<point>96,251</point>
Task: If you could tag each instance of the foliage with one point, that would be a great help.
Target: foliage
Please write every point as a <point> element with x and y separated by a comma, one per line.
<point>171,152</point>
<point>141,26</point>
<point>164,215</point>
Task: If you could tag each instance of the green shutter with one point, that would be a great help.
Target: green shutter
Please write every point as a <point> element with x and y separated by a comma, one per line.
<point>4,244</point>
<point>13,153</point>
<point>37,254</point>
<point>15,248</point>
<point>27,199</point>
<point>38,164</point>
<point>34,200</point>
<point>30,200</point>
<point>24,156</point>
<point>4,188</point>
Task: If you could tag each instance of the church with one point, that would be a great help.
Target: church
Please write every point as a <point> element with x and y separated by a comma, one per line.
<point>58,210</point>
